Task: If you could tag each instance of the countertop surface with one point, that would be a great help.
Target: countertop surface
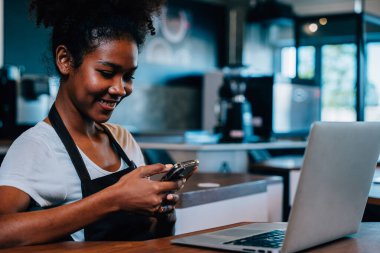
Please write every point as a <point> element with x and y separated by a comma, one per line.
<point>223,146</point>
<point>281,144</point>
<point>202,188</point>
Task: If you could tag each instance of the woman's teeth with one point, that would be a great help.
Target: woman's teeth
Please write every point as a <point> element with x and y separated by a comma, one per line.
<point>111,104</point>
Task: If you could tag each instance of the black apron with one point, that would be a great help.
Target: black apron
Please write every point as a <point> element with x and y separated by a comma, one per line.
<point>118,226</point>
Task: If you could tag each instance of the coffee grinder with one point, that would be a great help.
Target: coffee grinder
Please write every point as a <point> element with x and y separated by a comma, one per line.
<point>235,112</point>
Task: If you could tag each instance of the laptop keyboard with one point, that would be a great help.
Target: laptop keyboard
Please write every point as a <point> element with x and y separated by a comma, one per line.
<point>272,239</point>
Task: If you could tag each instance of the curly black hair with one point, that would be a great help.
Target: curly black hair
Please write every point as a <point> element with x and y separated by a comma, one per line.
<point>81,25</point>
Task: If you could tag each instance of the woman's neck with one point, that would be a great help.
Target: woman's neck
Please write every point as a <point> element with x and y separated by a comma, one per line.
<point>74,121</point>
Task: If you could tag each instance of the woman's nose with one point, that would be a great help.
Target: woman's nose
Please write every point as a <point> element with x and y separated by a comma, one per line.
<point>118,88</point>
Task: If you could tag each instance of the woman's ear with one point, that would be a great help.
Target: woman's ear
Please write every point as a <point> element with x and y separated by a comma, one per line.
<point>63,59</point>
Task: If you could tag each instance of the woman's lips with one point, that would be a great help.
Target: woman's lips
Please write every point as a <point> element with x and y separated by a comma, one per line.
<point>107,105</point>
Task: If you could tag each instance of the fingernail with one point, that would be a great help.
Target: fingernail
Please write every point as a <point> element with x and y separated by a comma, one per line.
<point>168,166</point>
<point>169,197</point>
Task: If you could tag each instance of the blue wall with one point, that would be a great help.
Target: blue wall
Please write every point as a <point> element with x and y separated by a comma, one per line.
<point>167,94</point>
<point>24,44</point>
<point>28,46</point>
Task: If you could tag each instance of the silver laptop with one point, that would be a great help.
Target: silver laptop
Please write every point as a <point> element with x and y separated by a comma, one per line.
<point>335,180</point>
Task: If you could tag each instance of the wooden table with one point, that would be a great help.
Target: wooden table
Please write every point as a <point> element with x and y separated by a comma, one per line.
<point>367,240</point>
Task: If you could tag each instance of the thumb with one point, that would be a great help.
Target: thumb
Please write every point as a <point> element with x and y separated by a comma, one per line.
<point>150,170</point>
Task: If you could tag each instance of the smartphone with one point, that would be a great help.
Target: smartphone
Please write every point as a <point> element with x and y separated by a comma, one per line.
<point>181,170</point>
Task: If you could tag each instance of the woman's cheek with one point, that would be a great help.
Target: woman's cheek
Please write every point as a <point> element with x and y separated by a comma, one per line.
<point>128,89</point>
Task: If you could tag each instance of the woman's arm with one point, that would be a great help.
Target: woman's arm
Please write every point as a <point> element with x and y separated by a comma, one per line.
<point>23,228</point>
<point>134,192</point>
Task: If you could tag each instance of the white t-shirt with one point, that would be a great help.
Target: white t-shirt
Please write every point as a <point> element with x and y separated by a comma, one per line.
<point>38,164</point>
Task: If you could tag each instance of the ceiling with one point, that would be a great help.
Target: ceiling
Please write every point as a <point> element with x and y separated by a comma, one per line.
<point>310,7</point>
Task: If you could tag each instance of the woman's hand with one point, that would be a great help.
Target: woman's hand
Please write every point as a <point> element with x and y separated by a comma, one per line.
<point>171,199</point>
<point>165,217</point>
<point>135,192</point>
<point>168,203</point>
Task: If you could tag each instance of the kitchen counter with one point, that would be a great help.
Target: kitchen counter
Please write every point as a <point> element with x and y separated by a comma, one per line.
<point>223,146</point>
<point>222,157</point>
<point>216,197</point>
<point>226,186</point>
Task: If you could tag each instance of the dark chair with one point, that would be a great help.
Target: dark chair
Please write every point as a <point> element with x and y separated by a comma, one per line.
<point>157,156</point>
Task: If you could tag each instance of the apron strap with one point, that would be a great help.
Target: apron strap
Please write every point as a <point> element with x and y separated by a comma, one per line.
<point>73,150</point>
<point>68,142</point>
<point>119,149</point>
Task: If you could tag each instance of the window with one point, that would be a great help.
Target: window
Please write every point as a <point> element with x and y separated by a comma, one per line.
<point>306,62</point>
<point>288,62</point>
<point>327,57</point>
<point>338,82</point>
<point>338,76</point>
<point>372,95</point>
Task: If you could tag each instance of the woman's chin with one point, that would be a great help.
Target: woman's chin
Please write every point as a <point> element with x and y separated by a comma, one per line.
<point>102,118</point>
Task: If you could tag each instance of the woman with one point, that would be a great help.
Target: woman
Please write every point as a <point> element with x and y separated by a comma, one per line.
<point>83,178</point>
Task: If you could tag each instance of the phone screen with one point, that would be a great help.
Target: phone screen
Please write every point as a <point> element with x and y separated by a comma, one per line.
<point>181,170</point>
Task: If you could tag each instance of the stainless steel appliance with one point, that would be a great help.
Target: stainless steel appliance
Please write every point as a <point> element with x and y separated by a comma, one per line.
<point>279,107</point>
<point>33,99</point>
<point>24,101</point>
<point>9,80</point>
<point>235,114</point>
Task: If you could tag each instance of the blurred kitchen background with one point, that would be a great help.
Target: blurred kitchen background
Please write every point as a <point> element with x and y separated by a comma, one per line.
<point>299,60</point>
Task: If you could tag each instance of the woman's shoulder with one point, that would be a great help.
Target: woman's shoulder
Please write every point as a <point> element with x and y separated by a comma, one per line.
<point>117,130</point>
<point>37,142</point>
<point>126,141</point>
<point>40,133</point>
<point>121,134</point>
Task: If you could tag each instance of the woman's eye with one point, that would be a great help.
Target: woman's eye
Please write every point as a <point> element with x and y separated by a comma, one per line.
<point>127,78</point>
<point>107,74</point>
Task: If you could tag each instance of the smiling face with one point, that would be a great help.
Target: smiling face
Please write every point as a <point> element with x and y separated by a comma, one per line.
<point>102,80</point>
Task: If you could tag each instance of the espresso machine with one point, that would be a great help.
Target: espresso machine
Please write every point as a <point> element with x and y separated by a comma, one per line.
<point>9,80</point>
<point>234,120</point>
<point>24,101</point>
